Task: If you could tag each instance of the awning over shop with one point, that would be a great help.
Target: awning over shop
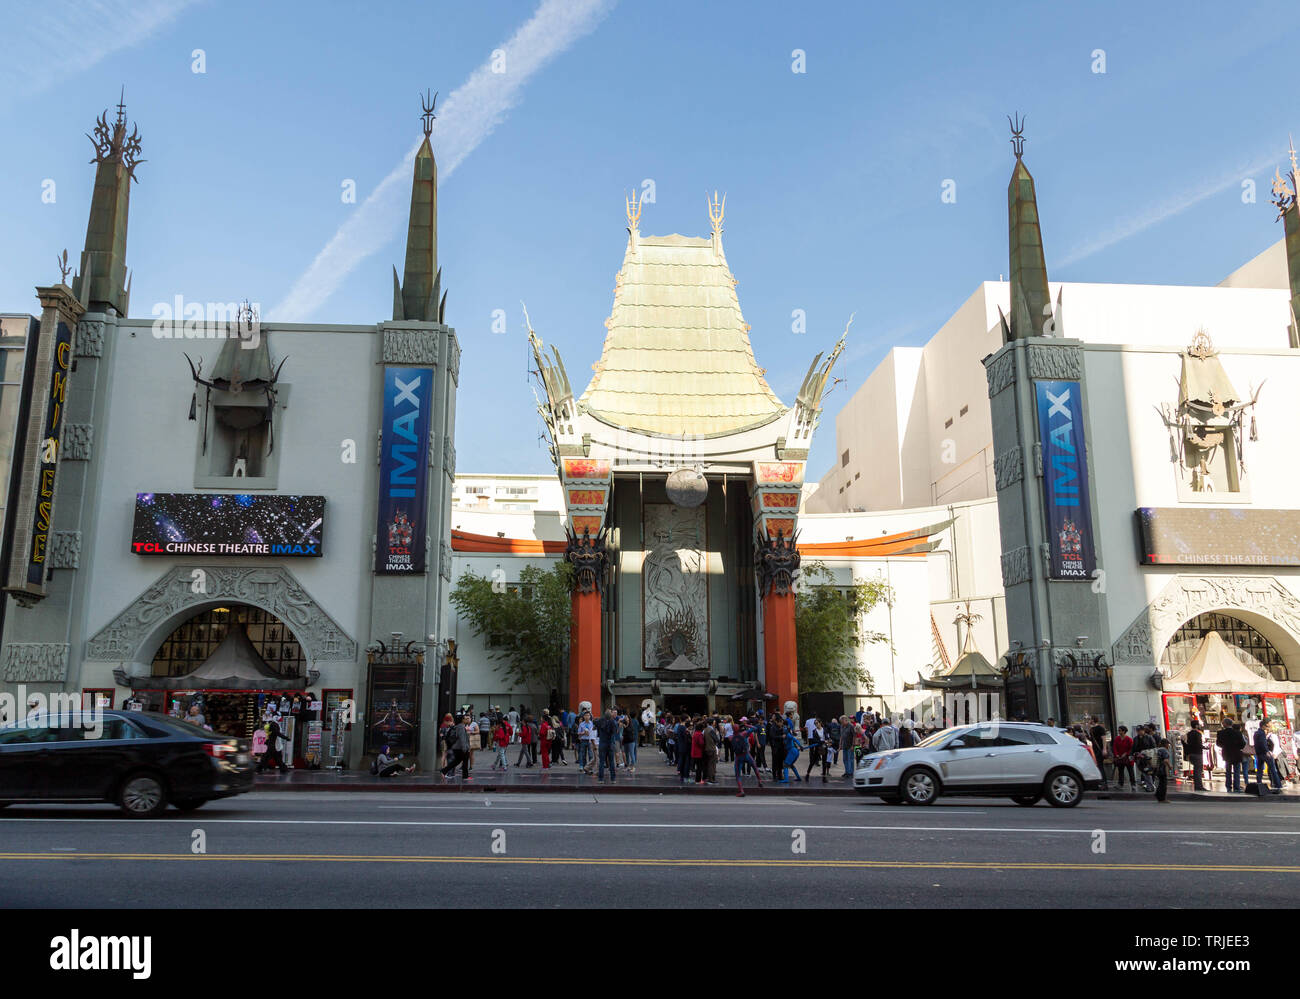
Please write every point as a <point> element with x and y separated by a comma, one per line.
<point>235,665</point>
<point>1215,668</point>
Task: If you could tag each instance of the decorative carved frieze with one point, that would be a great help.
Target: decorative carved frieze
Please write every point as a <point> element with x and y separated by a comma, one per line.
<point>1055,362</point>
<point>1001,372</point>
<point>1009,468</point>
<point>1184,597</point>
<point>78,438</point>
<point>65,550</point>
<point>90,338</point>
<point>1038,459</point>
<point>36,662</point>
<point>182,589</point>
<point>1015,566</point>
<point>449,457</point>
<point>444,563</point>
<point>1075,657</point>
<point>410,347</point>
<point>453,360</point>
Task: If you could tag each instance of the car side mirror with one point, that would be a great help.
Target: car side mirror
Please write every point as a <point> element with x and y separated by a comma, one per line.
<point>956,744</point>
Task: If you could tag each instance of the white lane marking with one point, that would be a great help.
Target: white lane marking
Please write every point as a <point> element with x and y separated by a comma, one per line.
<point>471,808</point>
<point>960,811</point>
<point>676,825</point>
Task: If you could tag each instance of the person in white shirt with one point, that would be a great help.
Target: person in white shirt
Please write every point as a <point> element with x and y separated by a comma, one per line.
<point>809,725</point>
<point>586,742</point>
<point>513,715</point>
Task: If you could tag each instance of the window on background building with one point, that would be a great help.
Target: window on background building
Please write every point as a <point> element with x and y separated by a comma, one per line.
<point>190,645</point>
<point>844,460</point>
<point>947,423</point>
<point>857,476</point>
<point>963,411</point>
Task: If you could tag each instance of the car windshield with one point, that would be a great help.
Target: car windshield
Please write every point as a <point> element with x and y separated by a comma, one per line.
<point>937,738</point>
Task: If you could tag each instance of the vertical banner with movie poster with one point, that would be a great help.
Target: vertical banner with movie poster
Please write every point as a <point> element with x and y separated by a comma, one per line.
<point>1065,480</point>
<point>404,471</point>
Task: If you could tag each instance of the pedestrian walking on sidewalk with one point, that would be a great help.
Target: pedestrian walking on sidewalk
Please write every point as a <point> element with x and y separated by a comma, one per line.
<point>1121,751</point>
<point>546,736</point>
<point>1231,742</point>
<point>586,743</point>
<point>501,739</point>
<point>1194,750</point>
<point>684,737</point>
<point>631,736</point>
<point>607,732</point>
<point>848,736</point>
<point>1164,763</point>
<point>793,746</point>
<point>525,743</point>
<point>1264,759</point>
<point>742,743</point>
<point>712,740</point>
<point>776,733</point>
<point>458,747</point>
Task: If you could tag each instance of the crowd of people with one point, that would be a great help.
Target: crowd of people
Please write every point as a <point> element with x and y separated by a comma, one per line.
<point>602,744</point>
<point>776,747</point>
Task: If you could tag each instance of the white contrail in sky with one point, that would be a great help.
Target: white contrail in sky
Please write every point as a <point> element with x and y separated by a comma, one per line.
<point>49,40</point>
<point>467,117</point>
<point>1175,205</point>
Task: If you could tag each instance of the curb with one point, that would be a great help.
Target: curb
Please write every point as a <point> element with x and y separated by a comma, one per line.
<point>721,790</point>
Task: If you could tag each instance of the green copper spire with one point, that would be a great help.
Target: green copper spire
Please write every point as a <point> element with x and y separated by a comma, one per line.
<point>1030,298</point>
<point>1284,197</point>
<point>416,296</point>
<point>102,282</point>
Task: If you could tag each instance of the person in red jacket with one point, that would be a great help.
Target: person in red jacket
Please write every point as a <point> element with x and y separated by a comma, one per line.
<point>546,736</point>
<point>501,735</point>
<point>1121,752</point>
<point>697,752</point>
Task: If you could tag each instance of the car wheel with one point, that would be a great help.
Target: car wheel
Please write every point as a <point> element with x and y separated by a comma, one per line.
<point>1063,788</point>
<point>1027,799</point>
<point>189,804</point>
<point>142,796</point>
<point>920,786</point>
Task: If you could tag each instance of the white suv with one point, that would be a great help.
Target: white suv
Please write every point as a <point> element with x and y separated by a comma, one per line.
<point>1020,760</point>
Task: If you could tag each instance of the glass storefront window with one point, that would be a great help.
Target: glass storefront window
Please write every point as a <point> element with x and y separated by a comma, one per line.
<point>1252,648</point>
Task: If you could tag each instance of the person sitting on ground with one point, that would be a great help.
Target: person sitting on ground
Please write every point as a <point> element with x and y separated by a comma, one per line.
<point>388,765</point>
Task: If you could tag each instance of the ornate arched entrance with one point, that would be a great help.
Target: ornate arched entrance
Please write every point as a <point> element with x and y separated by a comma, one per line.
<point>1258,603</point>
<point>191,644</point>
<point>1251,645</point>
<point>131,640</point>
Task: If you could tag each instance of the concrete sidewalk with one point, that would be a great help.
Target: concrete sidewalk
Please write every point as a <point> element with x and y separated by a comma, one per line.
<point>653,776</point>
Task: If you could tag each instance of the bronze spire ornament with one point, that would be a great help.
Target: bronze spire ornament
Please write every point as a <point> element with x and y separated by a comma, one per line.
<point>427,103</point>
<point>1017,134</point>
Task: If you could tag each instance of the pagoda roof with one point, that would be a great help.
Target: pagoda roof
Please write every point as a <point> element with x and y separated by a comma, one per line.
<point>677,358</point>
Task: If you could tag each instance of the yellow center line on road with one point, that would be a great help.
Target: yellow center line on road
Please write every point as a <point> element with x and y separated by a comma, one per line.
<point>954,865</point>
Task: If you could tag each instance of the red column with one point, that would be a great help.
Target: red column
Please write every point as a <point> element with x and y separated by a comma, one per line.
<point>584,651</point>
<point>780,654</point>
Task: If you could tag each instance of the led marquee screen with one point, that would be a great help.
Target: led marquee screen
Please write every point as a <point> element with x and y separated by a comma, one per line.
<point>227,524</point>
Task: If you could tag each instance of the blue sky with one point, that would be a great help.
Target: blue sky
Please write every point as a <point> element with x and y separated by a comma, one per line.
<point>833,176</point>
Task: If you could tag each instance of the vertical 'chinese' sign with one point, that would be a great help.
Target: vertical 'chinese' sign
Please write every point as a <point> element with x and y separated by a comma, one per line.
<point>48,454</point>
<point>1065,480</point>
<point>404,471</point>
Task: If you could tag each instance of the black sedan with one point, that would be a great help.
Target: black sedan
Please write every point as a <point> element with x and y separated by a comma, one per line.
<point>138,760</point>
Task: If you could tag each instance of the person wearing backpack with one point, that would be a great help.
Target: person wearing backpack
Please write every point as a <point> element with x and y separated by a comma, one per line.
<point>458,745</point>
<point>742,740</point>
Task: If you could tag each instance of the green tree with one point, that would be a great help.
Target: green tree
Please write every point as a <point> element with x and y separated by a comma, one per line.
<point>525,625</point>
<point>828,629</point>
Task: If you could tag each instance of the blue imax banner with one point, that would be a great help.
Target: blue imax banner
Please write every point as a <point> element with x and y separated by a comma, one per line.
<point>1065,480</point>
<point>404,471</point>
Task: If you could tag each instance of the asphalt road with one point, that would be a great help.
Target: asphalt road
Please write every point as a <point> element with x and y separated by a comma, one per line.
<point>414,850</point>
